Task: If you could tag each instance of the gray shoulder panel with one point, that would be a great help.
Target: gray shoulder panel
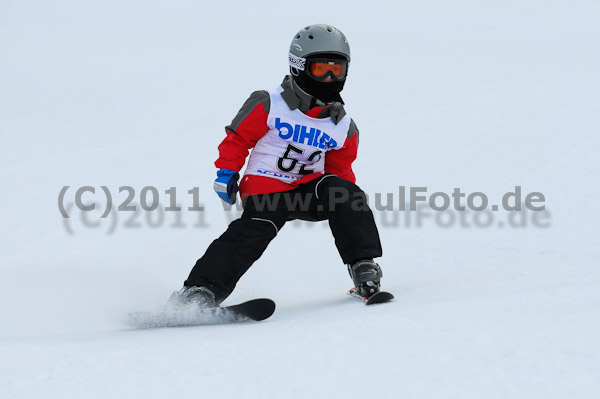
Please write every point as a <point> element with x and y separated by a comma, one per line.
<point>353,129</point>
<point>258,97</point>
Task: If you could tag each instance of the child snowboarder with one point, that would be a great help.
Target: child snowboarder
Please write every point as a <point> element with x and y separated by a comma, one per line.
<point>303,145</point>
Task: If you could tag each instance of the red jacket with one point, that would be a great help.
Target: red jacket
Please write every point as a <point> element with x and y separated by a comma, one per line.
<point>250,125</point>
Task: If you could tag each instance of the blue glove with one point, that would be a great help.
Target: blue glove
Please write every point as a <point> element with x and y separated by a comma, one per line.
<point>226,185</point>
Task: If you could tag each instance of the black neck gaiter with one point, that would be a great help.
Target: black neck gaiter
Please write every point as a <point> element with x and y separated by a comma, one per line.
<point>325,91</point>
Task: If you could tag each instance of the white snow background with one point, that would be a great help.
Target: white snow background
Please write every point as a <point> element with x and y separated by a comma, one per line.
<point>481,95</point>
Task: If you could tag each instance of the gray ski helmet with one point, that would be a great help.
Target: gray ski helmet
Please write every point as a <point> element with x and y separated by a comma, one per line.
<point>314,39</point>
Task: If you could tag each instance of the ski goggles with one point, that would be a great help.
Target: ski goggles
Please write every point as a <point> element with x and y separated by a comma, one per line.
<point>320,68</point>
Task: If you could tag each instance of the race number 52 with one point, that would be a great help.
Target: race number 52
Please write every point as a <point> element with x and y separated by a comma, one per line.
<point>287,164</point>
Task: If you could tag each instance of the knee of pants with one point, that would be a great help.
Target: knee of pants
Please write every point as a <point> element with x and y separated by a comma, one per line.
<point>260,226</point>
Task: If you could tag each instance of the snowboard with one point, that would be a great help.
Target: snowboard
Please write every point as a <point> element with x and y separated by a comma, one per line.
<point>253,310</point>
<point>379,297</point>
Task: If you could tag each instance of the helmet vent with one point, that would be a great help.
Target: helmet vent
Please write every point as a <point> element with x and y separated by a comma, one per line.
<point>298,37</point>
<point>310,37</point>
<point>329,29</point>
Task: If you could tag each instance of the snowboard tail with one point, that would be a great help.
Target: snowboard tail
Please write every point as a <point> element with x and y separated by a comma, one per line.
<point>378,297</point>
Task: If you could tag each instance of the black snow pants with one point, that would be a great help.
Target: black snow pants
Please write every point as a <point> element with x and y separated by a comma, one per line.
<point>329,197</point>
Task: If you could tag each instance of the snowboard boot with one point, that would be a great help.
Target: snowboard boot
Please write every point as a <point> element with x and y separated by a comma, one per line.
<point>366,276</point>
<point>193,296</point>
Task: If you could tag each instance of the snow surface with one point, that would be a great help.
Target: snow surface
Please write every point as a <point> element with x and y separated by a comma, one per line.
<point>479,95</point>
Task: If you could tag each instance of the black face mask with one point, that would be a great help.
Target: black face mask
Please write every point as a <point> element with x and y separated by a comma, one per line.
<point>324,91</point>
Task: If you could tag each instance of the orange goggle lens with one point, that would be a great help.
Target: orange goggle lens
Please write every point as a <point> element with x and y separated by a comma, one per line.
<point>320,69</point>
